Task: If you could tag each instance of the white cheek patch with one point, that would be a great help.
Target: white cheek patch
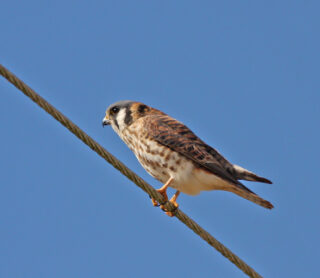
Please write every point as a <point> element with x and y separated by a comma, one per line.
<point>114,127</point>
<point>120,119</point>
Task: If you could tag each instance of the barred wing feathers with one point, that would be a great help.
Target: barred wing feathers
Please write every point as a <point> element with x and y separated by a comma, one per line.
<point>176,136</point>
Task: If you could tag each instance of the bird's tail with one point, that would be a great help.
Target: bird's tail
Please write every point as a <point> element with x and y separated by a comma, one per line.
<point>251,196</point>
<point>244,174</point>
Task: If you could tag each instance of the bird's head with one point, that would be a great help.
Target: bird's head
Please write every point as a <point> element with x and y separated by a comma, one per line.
<point>123,113</point>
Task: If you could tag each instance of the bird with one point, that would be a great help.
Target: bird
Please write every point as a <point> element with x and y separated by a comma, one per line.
<point>171,153</point>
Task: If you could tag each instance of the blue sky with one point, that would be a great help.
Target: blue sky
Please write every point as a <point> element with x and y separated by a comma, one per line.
<point>243,75</point>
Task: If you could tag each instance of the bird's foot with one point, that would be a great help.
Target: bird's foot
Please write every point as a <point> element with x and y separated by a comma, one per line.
<point>163,193</point>
<point>172,201</point>
<point>154,202</point>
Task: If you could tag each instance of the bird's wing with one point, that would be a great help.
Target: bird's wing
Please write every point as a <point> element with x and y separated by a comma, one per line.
<point>176,136</point>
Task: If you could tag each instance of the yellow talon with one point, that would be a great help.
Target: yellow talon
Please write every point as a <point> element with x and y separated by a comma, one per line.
<point>163,192</point>
<point>173,200</point>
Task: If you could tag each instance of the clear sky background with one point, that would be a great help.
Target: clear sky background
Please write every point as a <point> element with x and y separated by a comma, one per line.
<point>243,75</point>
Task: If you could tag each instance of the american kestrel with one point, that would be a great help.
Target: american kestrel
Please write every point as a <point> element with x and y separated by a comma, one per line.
<point>170,152</point>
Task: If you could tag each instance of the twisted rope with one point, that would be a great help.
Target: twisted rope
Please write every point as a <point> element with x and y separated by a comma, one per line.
<point>127,172</point>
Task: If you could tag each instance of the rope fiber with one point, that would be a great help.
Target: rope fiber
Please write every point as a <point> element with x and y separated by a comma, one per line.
<point>127,172</point>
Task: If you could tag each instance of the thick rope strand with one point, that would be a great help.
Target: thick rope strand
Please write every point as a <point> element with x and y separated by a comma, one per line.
<point>127,172</point>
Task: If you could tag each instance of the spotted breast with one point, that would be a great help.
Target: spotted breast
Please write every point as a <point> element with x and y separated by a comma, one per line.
<point>159,161</point>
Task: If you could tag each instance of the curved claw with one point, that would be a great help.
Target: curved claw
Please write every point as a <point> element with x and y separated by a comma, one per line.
<point>154,202</point>
<point>163,192</point>
<point>173,200</point>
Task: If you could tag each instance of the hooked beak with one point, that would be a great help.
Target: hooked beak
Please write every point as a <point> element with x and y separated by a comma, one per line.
<point>105,122</point>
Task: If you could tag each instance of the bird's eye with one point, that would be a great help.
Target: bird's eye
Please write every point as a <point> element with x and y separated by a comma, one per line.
<point>115,109</point>
<point>142,108</point>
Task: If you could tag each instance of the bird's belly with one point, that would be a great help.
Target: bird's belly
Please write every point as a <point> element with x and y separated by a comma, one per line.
<point>162,163</point>
<point>158,160</point>
<point>187,178</point>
